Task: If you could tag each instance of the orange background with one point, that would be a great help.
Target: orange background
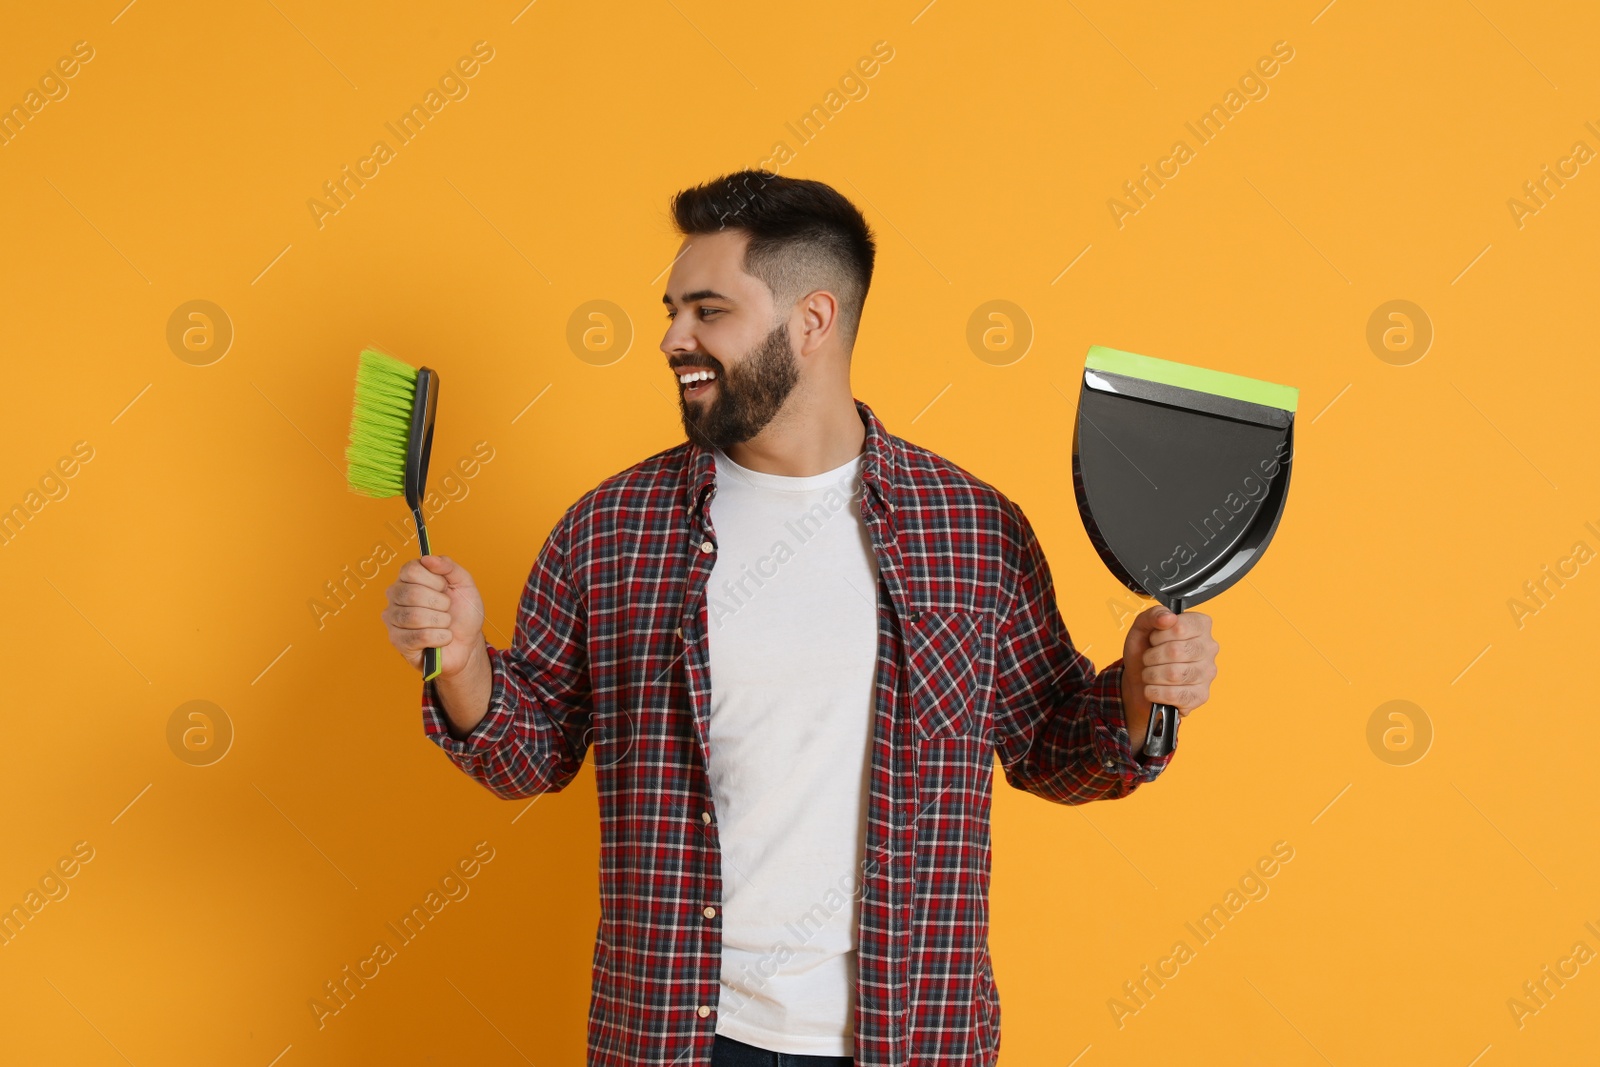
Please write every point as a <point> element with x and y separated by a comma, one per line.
<point>181,562</point>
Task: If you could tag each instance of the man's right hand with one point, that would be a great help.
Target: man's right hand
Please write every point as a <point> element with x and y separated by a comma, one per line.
<point>434,604</point>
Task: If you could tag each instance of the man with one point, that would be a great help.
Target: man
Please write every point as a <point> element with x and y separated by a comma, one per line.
<point>796,644</point>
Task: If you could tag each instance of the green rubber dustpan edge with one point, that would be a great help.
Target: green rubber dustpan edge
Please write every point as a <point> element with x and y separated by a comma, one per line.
<point>1200,379</point>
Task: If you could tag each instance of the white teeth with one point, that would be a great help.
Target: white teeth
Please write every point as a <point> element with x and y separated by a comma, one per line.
<point>696,376</point>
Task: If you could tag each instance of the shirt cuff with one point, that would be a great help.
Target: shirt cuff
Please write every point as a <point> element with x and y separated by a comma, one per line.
<point>490,729</point>
<point>1113,745</point>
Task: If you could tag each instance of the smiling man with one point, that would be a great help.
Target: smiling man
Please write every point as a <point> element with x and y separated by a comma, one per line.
<point>796,644</point>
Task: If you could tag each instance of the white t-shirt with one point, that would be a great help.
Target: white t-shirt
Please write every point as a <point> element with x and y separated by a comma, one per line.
<point>793,637</point>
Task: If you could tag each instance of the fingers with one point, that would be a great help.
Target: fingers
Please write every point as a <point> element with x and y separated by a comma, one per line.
<point>407,594</point>
<point>427,583</point>
<point>1170,674</point>
<point>453,573</point>
<point>1193,650</point>
<point>415,640</point>
<point>1178,667</point>
<point>1183,697</point>
<point>418,612</point>
<point>404,618</point>
<point>1189,625</point>
<point>415,572</point>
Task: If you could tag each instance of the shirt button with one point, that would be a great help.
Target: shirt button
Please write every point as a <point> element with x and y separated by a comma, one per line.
<point>706,546</point>
<point>679,631</point>
<point>709,912</point>
<point>705,817</point>
<point>702,1011</point>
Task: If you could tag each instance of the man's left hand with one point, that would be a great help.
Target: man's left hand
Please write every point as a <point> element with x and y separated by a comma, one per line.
<point>1167,658</point>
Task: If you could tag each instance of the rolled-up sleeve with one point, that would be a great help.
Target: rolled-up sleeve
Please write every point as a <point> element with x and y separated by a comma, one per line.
<point>1060,729</point>
<point>536,732</point>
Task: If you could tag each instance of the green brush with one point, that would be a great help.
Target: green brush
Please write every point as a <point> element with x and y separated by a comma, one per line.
<point>391,435</point>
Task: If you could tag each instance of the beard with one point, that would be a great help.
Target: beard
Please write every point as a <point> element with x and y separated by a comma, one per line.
<point>745,399</point>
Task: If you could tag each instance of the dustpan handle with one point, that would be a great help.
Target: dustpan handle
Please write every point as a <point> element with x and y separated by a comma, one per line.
<point>1161,736</point>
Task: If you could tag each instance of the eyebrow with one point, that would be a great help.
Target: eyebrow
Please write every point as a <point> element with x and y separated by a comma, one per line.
<point>698,294</point>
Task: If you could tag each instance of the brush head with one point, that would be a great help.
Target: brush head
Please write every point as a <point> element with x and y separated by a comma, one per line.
<point>380,425</point>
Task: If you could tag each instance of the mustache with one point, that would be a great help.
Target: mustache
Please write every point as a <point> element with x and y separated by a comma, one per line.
<point>679,368</point>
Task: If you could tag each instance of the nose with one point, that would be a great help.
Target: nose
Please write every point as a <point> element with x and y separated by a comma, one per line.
<point>679,338</point>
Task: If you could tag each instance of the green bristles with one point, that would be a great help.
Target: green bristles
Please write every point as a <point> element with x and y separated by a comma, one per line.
<point>380,426</point>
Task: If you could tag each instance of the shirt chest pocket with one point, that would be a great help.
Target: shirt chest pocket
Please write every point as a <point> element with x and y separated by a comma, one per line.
<point>945,662</point>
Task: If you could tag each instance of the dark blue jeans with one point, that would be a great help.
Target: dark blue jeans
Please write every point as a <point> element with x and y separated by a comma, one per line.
<point>726,1052</point>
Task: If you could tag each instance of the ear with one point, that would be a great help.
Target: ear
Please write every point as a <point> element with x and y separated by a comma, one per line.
<point>819,316</point>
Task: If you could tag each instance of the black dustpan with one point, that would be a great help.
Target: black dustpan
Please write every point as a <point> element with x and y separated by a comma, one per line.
<point>1181,475</point>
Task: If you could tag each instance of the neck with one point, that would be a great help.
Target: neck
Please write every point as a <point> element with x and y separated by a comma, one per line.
<point>812,434</point>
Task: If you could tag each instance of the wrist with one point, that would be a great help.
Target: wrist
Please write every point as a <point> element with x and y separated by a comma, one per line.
<point>1135,708</point>
<point>466,693</point>
<point>477,659</point>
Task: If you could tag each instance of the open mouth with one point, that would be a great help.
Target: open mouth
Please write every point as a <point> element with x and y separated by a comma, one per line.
<point>696,382</point>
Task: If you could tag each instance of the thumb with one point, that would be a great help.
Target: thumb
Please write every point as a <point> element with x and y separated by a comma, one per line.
<point>452,572</point>
<point>1156,617</point>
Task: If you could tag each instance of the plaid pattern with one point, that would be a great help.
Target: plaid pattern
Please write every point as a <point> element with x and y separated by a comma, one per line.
<point>973,661</point>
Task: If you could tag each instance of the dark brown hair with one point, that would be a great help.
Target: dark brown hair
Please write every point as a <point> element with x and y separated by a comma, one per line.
<point>803,236</point>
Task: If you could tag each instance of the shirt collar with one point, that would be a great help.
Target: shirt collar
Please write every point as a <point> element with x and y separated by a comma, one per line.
<point>880,463</point>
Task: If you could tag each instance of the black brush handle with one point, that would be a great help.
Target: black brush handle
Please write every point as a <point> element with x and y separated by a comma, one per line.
<point>431,663</point>
<point>419,445</point>
<point>1161,735</point>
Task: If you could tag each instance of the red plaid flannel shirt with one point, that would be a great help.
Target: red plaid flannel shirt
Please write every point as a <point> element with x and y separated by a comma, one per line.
<point>973,660</point>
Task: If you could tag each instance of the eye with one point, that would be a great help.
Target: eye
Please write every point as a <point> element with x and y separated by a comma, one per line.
<point>710,311</point>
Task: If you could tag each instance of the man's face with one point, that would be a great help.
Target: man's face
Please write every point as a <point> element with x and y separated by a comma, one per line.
<point>722,321</point>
